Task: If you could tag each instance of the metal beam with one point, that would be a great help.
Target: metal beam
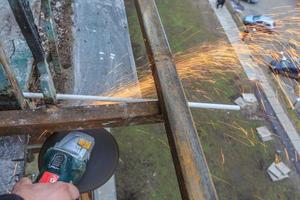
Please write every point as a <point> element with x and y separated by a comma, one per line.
<point>193,174</point>
<point>25,20</point>
<point>76,118</point>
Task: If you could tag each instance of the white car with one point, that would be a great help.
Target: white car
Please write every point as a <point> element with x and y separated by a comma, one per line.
<point>260,20</point>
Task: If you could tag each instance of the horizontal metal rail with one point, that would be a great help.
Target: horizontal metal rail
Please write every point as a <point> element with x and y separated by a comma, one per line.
<point>53,119</point>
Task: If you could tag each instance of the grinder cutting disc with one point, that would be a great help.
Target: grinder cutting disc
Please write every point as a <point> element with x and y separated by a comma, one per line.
<point>102,163</point>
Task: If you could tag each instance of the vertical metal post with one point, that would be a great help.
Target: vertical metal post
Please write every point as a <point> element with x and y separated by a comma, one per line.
<point>193,174</point>
<point>48,25</point>
<point>24,18</point>
<point>11,76</point>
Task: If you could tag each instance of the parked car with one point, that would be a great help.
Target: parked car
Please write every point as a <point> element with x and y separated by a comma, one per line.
<point>260,21</point>
<point>251,1</point>
<point>286,67</point>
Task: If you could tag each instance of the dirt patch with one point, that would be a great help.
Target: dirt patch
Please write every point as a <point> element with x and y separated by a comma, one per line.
<point>62,14</point>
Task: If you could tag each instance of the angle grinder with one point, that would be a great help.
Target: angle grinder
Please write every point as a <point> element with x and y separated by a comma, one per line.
<point>87,158</point>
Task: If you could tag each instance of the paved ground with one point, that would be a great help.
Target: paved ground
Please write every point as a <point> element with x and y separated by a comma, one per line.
<point>255,72</point>
<point>270,7</point>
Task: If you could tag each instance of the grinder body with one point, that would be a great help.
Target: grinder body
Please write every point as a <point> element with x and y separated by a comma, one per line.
<point>67,160</point>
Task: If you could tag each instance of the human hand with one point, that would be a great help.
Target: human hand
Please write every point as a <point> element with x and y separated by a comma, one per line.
<point>45,191</point>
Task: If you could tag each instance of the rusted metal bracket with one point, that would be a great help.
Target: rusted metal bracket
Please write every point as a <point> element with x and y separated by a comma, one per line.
<point>24,18</point>
<point>48,26</point>
<point>46,82</point>
<point>193,174</point>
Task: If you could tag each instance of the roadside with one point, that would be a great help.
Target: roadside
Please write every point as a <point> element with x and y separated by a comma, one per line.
<point>262,45</point>
<point>289,130</point>
<point>233,34</point>
<point>265,47</point>
<point>286,16</point>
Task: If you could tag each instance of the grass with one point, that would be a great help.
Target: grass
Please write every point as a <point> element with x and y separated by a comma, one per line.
<point>182,21</point>
<point>238,167</point>
<point>236,158</point>
<point>186,26</point>
<point>231,136</point>
<point>292,113</point>
<point>295,118</point>
<point>145,170</point>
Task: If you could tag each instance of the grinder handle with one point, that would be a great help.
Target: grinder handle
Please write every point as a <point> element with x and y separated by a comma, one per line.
<point>47,177</point>
<point>52,171</point>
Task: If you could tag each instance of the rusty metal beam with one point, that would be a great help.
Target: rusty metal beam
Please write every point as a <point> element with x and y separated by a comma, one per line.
<point>76,118</point>
<point>193,174</point>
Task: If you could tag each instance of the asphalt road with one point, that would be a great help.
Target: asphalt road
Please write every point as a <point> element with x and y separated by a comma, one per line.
<point>280,11</point>
<point>270,7</point>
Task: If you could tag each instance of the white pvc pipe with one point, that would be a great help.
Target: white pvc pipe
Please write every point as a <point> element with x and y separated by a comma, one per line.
<point>128,100</point>
<point>213,106</point>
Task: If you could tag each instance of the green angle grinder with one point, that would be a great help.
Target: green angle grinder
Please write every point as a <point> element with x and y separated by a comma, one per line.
<point>86,158</point>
